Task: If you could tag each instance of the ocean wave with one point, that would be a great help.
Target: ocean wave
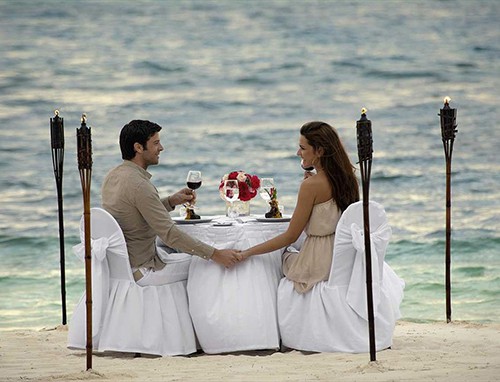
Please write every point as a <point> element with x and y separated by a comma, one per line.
<point>466,65</point>
<point>381,177</point>
<point>425,286</point>
<point>395,75</point>
<point>485,48</point>
<point>157,67</point>
<point>25,241</point>
<point>477,271</point>
<point>290,65</point>
<point>357,64</point>
<point>255,80</point>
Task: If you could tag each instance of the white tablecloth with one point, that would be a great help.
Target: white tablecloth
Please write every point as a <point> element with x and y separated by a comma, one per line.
<point>235,309</point>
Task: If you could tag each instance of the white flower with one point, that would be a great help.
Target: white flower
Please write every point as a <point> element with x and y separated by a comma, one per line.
<point>241,177</point>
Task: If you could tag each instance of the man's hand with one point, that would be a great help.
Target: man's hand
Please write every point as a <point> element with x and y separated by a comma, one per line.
<point>225,257</point>
<point>183,196</point>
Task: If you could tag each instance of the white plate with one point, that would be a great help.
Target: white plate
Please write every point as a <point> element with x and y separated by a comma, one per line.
<point>273,220</point>
<point>191,221</point>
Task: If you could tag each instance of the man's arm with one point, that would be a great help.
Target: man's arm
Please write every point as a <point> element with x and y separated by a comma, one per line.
<point>156,215</point>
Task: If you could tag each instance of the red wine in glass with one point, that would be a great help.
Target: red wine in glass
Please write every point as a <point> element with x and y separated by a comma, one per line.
<point>194,185</point>
<point>193,180</point>
<point>310,168</point>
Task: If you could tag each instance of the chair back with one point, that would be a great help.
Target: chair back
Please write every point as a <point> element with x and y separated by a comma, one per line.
<point>344,250</point>
<point>125,316</point>
<point>104,225</point>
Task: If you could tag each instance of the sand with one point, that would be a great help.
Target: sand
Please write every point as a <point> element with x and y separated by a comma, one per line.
<point>458,351</point>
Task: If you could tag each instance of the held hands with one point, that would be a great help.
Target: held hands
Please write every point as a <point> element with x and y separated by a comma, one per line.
<point>243,255</point>
<point>230,257</point>
<point>226,257</point>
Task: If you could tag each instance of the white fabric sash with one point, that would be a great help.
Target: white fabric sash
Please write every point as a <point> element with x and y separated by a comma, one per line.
<point>100,280</point>
<point>356,292</point>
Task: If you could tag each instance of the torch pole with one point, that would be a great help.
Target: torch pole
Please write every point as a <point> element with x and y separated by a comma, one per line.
<point>84,148</point>
<point>448,132</point>
<point>57,144</point>
<point>365,154</point>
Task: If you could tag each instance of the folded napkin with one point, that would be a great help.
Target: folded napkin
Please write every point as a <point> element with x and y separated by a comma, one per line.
<point>245,219</point>
<point>238,220</point>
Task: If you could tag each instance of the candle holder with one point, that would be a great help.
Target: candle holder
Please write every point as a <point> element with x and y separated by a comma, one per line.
<point>84,153</point>
<point>365,155</point>
<point>274,207</point>
<point>57,144</point>
<point>448,131</point>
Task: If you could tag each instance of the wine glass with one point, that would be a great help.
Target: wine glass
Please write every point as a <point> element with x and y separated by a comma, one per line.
<point>308,168</point>
<point>193,181</point>
<point>266,188</point>
<point>231,193</point>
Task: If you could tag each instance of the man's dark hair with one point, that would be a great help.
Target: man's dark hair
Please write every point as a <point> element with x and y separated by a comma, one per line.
<point>136,131</point>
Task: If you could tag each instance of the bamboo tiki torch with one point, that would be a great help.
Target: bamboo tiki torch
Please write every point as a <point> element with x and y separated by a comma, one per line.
<point>365,151</point>
<point>84,150</point>
<point>448,132</point>
<point>57,144</point>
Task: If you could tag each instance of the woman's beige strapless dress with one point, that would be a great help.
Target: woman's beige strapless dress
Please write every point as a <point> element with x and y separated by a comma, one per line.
<point>312,264</point>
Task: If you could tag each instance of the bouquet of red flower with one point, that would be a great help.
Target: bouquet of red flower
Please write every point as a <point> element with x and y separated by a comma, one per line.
<point>248,184</point>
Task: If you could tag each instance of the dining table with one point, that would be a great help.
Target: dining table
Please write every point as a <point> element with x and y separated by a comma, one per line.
<point>235,309</point>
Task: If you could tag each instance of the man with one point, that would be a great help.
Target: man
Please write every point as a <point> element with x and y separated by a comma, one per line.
<point>129,195</point>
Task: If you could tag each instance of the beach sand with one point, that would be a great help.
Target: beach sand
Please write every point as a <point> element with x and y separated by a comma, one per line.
<point>458,351</point>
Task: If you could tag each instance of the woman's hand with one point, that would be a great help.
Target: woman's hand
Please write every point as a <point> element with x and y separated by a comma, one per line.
<point>243,255</point>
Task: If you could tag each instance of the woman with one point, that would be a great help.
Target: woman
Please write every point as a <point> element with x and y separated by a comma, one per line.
<point>321,200</point>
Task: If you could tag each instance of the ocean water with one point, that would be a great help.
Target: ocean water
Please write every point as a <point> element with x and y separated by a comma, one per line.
<point>231,82</point>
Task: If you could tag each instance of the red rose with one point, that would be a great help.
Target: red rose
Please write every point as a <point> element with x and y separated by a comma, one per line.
<point>233,175</point>
<point>253,192</point>
<point>245,194</point>
<point>254,181</point>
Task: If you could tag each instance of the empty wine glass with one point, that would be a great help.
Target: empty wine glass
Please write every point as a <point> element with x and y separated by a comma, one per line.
<point>231,193</point>
<point>266,188</point>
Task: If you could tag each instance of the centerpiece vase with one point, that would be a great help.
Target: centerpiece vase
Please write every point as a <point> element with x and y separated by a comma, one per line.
<point>242,208</point>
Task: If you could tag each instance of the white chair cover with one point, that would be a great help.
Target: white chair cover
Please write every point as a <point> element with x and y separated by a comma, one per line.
<point>332,317</point>
<point>125,316</point>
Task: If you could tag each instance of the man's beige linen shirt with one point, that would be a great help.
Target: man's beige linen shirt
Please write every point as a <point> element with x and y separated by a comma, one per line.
<point>129,195</point>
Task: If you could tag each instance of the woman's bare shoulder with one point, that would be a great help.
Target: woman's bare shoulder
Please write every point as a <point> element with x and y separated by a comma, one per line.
<point>318,186</point>
<point>310,184</point>
<point>316,181</point>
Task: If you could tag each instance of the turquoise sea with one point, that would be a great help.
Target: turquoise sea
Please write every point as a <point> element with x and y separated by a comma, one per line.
<point>231,82</point>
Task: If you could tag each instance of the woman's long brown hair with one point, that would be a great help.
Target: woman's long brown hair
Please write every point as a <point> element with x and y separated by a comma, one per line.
<point>335,162</point>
